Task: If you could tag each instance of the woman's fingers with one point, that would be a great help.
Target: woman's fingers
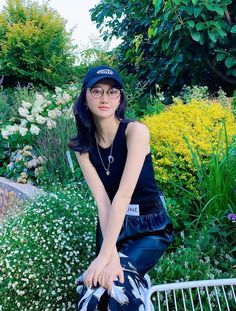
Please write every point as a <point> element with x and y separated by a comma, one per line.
<point>121,276</point>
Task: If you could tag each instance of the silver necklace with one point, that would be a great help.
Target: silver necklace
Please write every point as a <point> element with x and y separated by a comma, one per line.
<point>110,159</point>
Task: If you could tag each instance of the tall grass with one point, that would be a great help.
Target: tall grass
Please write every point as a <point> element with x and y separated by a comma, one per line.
<point>216,178</point>
<point>53,145</point>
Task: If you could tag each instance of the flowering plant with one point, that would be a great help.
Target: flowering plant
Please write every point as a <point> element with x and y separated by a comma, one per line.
<point>42,111</point>
<point>45,248</point>
<point>25,165</point>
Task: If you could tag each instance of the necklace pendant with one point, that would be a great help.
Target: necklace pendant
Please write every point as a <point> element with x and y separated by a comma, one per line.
<point>108,173</point>
<point>110,159</point>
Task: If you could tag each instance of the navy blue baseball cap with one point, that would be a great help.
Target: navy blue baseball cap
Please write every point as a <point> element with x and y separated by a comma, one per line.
<point>101,72</point>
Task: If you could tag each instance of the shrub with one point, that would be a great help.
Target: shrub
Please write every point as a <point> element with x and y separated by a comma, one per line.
<point>199,122</point>
<point>34,45</point>
<point>197,259</point>
<point>45,248</point>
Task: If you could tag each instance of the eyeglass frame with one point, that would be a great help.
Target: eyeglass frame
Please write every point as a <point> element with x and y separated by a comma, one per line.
<point>103,91</point>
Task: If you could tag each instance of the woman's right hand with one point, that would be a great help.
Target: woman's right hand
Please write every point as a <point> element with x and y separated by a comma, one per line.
<point>112,270</point>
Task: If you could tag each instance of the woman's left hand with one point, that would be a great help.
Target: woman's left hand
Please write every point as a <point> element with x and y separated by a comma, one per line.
<point>90,276</point>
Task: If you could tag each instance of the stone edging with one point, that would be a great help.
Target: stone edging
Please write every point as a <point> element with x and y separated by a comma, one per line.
<point>22,191</point>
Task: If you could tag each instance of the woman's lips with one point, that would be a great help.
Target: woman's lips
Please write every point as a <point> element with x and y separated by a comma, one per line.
<point>103,108</point>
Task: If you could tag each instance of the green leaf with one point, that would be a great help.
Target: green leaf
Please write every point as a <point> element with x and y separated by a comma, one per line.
<point>230,62</point>
<point>194,2</point>
<point>221,33</point>
<point>200,26</point>
<point>178,27</point>
<point>157,5</point>
<point>212,35</point>
<point>220,57</point>
<point>150,32</point>
<point>233,29</point>
<point>210,6</point>
<point>195,35</point>
<point>219,10</point>
<point>191,23</point>
<point>197,11</point>
<point>234,72</point>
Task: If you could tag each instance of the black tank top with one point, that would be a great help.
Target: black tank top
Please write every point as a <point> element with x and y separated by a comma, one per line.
<point>146,188</point>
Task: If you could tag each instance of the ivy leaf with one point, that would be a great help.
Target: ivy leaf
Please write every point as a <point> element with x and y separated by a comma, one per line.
<point>233,29</point>
<point>230,62</point>
<point>195,36</point>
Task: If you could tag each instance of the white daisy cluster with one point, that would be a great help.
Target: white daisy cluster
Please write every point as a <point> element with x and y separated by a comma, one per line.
<point>45,248</point>
<point>42,111</point>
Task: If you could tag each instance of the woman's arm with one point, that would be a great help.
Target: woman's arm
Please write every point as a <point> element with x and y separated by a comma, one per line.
<point>96,186</point>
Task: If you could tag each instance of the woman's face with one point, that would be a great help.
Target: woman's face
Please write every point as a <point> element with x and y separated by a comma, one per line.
<point>103,98</point>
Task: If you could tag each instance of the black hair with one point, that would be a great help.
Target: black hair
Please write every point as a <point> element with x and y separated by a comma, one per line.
<point>85,125</point>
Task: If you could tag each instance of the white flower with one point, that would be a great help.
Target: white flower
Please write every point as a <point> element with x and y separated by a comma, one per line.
<point>41,159</point>
<point>54,113</point>
<point>40,119</point>
<point>37,109</point>
<point>66,96</point>
<point>34,129</point>
<point>60,100</point>
<point>23,130</point>
<point>23,112</point>
<point>23,122</point>
<point>9,130</point>
<point>39,99</point>
<point>50,123</point>
<point>26,104</point>
<point>32,163</point>
<point>30,118</point>
<point>58,89</point>
<point>5,134</point>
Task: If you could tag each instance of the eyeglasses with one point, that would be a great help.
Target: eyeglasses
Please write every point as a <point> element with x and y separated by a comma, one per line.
<point>97,92</point>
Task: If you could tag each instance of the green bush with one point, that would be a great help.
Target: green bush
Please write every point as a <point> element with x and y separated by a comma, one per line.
<point>45,248</point>
<point>34,45</point>
<point>197,258</point>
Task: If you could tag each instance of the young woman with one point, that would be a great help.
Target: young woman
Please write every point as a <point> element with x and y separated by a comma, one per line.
<point>134,228</point>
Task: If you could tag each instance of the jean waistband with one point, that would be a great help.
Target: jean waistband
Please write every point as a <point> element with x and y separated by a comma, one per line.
<point>154,206</point>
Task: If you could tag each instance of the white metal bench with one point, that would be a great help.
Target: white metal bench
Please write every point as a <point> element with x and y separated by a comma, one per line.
<point>193,296</point>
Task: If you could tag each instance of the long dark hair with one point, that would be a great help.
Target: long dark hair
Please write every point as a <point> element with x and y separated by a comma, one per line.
<point>85,125</point>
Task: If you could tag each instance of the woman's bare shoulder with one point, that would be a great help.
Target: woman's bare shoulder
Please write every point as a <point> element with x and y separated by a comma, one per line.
<point>137,128</point>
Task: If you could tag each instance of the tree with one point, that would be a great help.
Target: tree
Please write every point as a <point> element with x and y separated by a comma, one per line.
<point>34,45</point>
<point>174,42</point>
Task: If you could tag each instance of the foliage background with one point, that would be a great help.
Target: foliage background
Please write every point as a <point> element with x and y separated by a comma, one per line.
<point>173,43</point>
